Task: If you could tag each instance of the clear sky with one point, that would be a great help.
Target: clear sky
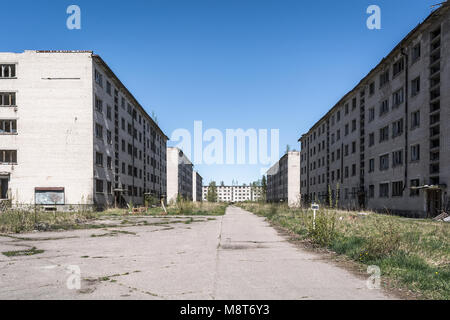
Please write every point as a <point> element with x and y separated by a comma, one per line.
<point>261,64</point>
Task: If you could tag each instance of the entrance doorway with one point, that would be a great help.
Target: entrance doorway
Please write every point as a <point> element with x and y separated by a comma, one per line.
<point>4,188</point>
<point>434,203</point>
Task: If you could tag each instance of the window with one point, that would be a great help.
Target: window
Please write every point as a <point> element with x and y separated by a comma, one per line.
<point>397,98</point>
<point>416,52</point>
<point>354,125</point>
<point>346,108</point>
<point>109,112</point>
<point>7,99</point>
<point>109,187</point>
<point>99,159</point>
<point>7,70</point>
<point>384,162</point>
<point>98,105</point>
<point>415,152</point>
<point>372,88</point>
<point>384,78</point>
<point>99,78</point>
<point>397,128</point>
<point>371,139</point>
<point>398,67</point>
<point>108,87</point>
<point>384,108</point>
<point>415,120</point>
<point>397,158</point>
<point>371,165</point>
<point>353,146</point>
<point>414,192</point>
<point>415,86</point>
<point>397,189</point>
<point>98,131</point>
<point>384,134</point>
<point>109,162</point>
<point>108,137</point>
<point>354,170</point>
<point>353,104</point>
<point>371,114</point>
<point>99,186</point>
<point>384,190</point>
<point>346,150</point>
<point>8,126</point>
<point>8,156</point>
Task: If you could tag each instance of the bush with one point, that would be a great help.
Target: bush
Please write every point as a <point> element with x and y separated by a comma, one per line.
<point>324,231</point>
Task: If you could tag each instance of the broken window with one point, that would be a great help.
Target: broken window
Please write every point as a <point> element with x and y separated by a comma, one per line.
<point>8,156</point>
<point>397,128</point>
<point>398,97</point>
<point>398,67</point>
<point>99,78</point>
<point>7,70</point>
<point>99,159</point>
<point>98,131</point>
<point>8,126</point>
<point>7,99</point>
<point>384,190</point>
<point>99,186</point>
<point>98,105</point>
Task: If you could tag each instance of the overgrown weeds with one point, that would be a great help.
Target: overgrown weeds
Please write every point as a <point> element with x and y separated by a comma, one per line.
<point>413,253</point>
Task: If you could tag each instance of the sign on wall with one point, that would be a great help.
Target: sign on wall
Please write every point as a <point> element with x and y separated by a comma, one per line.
<point>49,196</point>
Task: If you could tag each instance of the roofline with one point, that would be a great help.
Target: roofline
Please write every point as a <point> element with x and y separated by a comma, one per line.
<point>127,92</point>
<point>436,12</point>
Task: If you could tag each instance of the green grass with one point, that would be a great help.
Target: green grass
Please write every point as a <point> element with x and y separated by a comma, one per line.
<point>20,253</point>
<point>26,220</point>
<point>414,254</point>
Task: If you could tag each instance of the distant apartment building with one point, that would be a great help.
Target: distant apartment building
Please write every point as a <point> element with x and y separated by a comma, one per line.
<point>386,144</point>
<point>283,180</point>
<point>71,133</point>
<point>235,193</point>
<point>179,175</point>
<point>197,185</point>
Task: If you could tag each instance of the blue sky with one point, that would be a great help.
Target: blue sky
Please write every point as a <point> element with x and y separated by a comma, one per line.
<point>262,64</point>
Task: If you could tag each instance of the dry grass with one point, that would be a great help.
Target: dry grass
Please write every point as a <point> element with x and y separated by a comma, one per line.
<point>414,253</point>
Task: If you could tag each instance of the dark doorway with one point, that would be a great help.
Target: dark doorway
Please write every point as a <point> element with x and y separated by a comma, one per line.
<point>434,203</point>
<point>3,188</point>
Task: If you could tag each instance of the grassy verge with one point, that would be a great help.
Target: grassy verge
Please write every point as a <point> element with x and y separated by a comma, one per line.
<point>413,254</point>
<point>25,220</point>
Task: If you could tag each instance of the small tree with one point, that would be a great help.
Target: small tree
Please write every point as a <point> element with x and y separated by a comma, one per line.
<point>211,196</point>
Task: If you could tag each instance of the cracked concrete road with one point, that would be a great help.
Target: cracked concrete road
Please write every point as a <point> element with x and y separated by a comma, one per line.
<point>237,256</point>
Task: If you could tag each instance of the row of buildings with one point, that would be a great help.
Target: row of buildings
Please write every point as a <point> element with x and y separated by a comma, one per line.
<point>385,145</point>
<point>72,134</point>
<point>235,193</point>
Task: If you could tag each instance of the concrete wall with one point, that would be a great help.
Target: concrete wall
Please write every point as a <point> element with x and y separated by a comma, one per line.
<point>54,118</point>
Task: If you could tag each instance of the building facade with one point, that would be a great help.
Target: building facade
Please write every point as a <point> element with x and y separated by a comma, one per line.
<point>197,185</point>
<point>283,180</point>
<point>235,193</point>
<point>179,175</point>
<point>385,145</point>
<point>72,134</point>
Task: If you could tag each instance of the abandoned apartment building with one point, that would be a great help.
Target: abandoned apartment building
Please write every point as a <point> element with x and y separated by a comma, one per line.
<point>385,145</point>
<point>72,134</point>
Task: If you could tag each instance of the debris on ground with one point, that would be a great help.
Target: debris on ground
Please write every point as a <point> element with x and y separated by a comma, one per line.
<point>442,217</point>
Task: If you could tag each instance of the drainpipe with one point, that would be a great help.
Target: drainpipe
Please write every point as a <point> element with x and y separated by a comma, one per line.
<point>406,115</point>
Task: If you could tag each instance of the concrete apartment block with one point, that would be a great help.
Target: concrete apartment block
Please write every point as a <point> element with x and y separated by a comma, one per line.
<point>235,193</point>
<point>385,145</point>
<point>179,175</point>
<point>197,185</point>
<point>283,180</point>
<point>71,133</point>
